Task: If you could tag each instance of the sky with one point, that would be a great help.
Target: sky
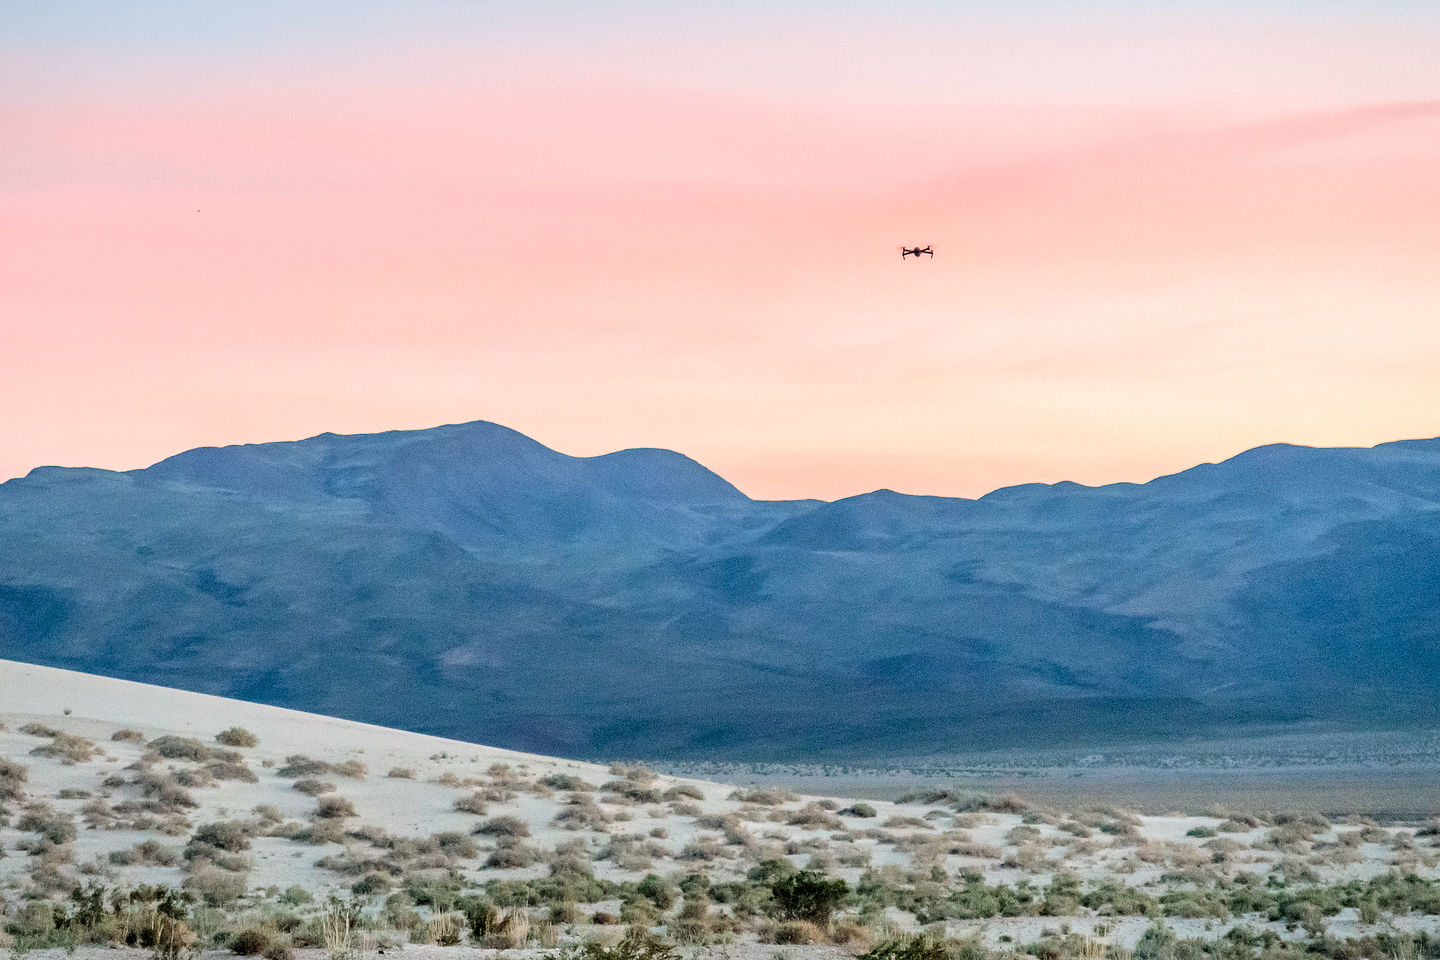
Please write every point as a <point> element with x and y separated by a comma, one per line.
<point>1163,233</point>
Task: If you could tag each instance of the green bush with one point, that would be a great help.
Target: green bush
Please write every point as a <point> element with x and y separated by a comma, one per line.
<point>808,895</point>
<point>660,892</point>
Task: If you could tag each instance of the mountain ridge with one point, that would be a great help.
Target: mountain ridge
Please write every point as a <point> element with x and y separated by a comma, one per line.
<point>467,580</point>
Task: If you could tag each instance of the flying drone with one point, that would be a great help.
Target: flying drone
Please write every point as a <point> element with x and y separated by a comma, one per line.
<point>916,251</point>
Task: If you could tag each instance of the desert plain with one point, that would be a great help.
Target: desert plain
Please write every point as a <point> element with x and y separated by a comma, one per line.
<point>274,831</point>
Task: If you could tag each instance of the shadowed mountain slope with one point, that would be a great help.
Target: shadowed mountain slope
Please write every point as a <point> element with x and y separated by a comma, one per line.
<point>470,582</point>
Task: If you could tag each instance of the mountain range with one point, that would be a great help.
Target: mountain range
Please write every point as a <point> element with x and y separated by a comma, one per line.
<point>469,582</point>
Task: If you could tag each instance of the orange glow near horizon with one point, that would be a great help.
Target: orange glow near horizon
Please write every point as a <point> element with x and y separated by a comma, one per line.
<point>1123,286</point>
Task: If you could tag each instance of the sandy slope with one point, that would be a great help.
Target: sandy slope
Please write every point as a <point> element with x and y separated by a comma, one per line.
<point>704,827</point>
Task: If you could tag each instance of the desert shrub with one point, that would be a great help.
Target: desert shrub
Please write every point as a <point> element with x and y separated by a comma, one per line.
<point>660,892</point>
<point>295,896</point>
<point>218,888</point>
<point>504,827</point>
<point>38,730</point>
<point>640,914</point>
<point>703,849</point>
<point>353,769</point>
<point>684,791</point>
<point>633,790</point>
<point>34,920</point>
<point>504,929</point>
<point>401,773</point>
<point>511,854</point>
<point>863,810</point>
<point>968,802</point>
<point>180,748</point>
<point>164,794</point>
<point>322,831</point>
<point>814,817</point>
<point>236,737</point>
<point>454,844</point>
<point>1201,832</point>
<point>199,856</point>
<point>68,748</point>
<point>637,944</point>
<point>1290,834</point>
<point>334,808</point>
<point>252,942</point>
<point>128,736</point>
<point>808,895</point>
<point>268,812</point>
<point>766,798</point>
<point>199,777</point>
<point>579,813</point>
<point>919,947</point>
<point>473,803</point>
<point>798,933</point>
<point>567,782</point>
<point>312,787</point>
<point>637,772</point>
<point>13,777</point>
<point>155,918</point>
<point>149,853</point>
<point>56,828</point>
<point>446,929</point>
<point>232,836</point>
<point>1022,834</point>
<point>299,765</point>
<point>371,884</point>
<point>230,770</point>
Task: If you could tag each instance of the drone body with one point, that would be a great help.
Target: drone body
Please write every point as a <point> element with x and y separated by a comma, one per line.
<point>916,252</point>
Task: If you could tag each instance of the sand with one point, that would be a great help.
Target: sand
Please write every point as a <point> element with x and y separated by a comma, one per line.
<point>669,837</point>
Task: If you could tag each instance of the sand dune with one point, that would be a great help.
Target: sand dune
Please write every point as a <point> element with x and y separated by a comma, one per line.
<point>137,774</point>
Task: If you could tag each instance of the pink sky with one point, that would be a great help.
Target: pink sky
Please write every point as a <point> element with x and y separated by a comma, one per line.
<point>1158,242</point>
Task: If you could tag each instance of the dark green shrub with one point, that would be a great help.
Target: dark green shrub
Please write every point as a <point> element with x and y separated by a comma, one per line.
<point>370,884</point>
<point>660,892</point>
<point>808,895</point>
<point>296,896</point>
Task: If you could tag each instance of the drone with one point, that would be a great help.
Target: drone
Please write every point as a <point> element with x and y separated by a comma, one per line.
<point>916,251</point>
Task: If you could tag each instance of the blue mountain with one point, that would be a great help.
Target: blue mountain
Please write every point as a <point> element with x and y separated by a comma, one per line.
<point>468,581</point>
